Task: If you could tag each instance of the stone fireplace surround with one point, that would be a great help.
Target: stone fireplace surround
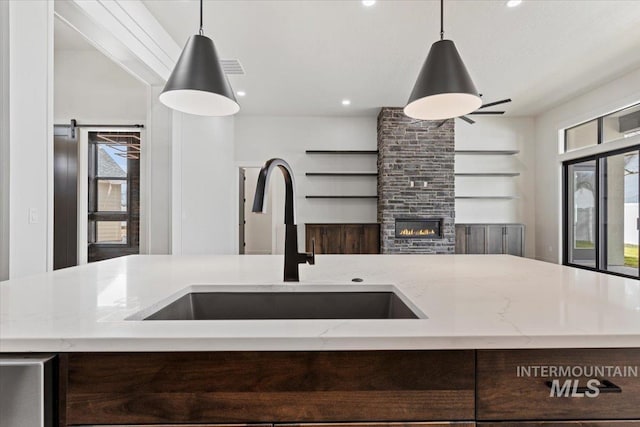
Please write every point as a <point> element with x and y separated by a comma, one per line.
<point>415,180</point>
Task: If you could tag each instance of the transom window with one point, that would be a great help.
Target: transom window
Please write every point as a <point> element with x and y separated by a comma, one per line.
<point>621,124</point>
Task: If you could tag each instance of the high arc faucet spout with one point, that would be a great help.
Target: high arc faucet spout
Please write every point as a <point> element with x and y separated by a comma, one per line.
<point>292,258</point>
<point>262,187</point>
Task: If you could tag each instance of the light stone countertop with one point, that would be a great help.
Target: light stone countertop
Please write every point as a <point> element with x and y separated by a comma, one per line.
<point>472,302</point>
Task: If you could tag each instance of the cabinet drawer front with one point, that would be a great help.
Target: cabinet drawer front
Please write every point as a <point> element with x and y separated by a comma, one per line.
<point>533,384</point>
<point>563,424</point>
<point>264,387</point>
<point>390,424</point>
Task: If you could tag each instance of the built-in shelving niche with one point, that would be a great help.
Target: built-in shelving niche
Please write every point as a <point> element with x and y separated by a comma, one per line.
<point>342,152</point>
<point>340,197</point>
<point>341,174</point>
<point>487,174</point>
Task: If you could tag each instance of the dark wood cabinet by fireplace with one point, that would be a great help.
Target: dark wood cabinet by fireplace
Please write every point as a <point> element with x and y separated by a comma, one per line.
<point>343,238</point>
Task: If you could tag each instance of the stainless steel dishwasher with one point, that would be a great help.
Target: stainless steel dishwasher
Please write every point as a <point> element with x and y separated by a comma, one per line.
<point>27,390</point>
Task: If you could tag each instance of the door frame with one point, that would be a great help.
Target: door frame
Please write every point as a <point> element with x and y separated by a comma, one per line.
<point>600,211</point>
<point>83,189</point>
<point>276,220</point>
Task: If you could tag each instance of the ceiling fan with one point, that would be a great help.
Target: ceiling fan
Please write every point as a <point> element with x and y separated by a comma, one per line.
<point>476,112</point>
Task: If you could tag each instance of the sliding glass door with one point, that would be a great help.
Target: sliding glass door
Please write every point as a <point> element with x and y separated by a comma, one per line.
<point>601,212</point>
<point>620,209</point>
<point>582,196</point>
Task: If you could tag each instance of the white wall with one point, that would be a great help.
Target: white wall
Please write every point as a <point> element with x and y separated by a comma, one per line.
<point>258,227</point>
<point>497,133</point>
<point>259,138</point>
<point>205,186</point>
<point>31,137</point>
<point>4,140</point>
<point>92,88</point>
<point>156,199</point>
<point>609,97</point>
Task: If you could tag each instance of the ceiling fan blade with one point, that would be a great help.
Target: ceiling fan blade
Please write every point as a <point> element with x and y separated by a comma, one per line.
<point>467,119</point>
<point>441,123</point>
<point>491,104</point>
<point>487,113</point>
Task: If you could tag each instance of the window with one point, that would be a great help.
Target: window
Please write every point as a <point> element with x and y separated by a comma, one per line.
<point>613,127</point>
<point>581,136</point>
<point>114,175</point>
<point>601,220</point>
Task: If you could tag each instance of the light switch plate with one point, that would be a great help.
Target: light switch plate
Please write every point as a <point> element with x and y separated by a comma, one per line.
<point>33,216</point>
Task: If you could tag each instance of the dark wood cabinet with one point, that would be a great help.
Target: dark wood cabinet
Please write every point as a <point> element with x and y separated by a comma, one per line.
<point>490,239</point>
<point>420,388</point>
<point>507,392</point>
<point>267,387</point>
<point>343,238</point>
<point>414,424</point>
<point>563,424</point>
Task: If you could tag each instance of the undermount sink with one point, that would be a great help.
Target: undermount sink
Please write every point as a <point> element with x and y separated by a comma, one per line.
<point>285,305</point>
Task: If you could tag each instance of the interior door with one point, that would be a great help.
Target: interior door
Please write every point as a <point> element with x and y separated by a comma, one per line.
<point>241,202</point>
<point>65,197</point>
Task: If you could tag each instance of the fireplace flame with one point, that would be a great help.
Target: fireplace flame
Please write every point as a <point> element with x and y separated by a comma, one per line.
<point>413,232</point>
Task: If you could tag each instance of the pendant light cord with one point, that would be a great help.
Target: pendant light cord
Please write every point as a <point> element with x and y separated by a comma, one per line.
<point>441,19</point>
<point>201,30</point>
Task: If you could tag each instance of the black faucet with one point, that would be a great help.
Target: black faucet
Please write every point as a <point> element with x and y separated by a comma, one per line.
<point>291,255</point>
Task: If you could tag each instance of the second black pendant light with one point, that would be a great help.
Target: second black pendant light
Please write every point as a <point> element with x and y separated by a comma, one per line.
<point>444,88</point>
<point>198,84</point>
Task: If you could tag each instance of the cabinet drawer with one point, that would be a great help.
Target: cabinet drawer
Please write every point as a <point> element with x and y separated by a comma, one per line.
<point>563,424</point>
<point>400,424</point>
<point>269,387</point>
<point>535,384</point>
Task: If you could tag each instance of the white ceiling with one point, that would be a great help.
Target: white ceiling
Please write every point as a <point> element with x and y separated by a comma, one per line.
<point>304,57</point>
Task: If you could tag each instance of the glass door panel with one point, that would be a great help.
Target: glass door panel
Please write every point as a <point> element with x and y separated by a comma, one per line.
<point>620,213</point>
<point>582,224</point>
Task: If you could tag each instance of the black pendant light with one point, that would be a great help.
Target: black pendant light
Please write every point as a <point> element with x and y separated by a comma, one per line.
<point>198,85</point>
<point>444,88</point>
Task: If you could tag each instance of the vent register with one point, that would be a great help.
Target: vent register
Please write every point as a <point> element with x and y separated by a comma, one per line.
<point>232,67</point>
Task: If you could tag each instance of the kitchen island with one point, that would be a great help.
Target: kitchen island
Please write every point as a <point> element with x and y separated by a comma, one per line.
<point>484,319</point>
<point>471,301</point>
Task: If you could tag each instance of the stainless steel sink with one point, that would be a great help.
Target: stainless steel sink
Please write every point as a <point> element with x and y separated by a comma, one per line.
<point>285,305</point>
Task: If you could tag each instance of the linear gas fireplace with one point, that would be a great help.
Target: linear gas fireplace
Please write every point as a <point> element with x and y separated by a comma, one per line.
<point>412,228</point>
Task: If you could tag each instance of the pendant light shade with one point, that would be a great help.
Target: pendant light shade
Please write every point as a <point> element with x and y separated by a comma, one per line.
<point>198,85</point>
<point>444,88</point>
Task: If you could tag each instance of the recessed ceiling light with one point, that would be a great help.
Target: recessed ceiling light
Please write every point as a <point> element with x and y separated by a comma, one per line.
<point>513,3</point>
<point>346,102</point>
<point>368,3</point>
